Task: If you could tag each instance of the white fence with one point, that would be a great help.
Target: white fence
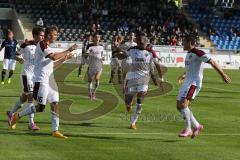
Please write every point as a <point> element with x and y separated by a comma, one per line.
<point>170,56</point>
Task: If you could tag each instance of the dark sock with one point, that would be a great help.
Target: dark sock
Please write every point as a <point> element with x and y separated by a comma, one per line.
<point>10,74</point>
<point>3,75</point>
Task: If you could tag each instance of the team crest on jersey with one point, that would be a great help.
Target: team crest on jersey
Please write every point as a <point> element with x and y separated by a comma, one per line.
<point>190,56</point>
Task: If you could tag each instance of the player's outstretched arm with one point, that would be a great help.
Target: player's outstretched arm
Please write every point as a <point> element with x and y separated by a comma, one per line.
<point>159,70</point>
<point>63,59</point>
<point>224,76</point>
<point>59,55</point>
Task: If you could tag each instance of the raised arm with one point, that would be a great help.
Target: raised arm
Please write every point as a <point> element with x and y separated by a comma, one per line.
<point>59,55</point>
<point>215,65</point>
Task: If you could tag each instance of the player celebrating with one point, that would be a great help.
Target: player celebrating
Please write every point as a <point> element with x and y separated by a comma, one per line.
<point>9,62</point>
<point>96,58</point>
<point>194,63</point>
<point>115,62</point>
<point>45,88</point>
<point>85,47</point>
<point>26,55</point>
<point>138,77</point>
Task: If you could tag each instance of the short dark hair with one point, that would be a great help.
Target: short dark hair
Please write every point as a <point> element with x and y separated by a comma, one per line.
<point>36,31</point>
<point>50,29</point>
<point>9,31</point>
<point>190,38</point>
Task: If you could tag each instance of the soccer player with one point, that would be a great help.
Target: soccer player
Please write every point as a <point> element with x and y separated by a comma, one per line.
<point>138,76</point>
<point>84,60</point>
<point>45,87</point>
<point>9,63</point>
<point>96,58</point>
<point>26,55</point>
<point>115,62</point>
<point>126,63</point>
<point>192,84</point>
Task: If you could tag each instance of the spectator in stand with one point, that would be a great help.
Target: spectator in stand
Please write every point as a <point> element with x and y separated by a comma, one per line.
<point>180,41</point>
<point>173,41</point>
<point>40,22</point>
<point>1,33</point>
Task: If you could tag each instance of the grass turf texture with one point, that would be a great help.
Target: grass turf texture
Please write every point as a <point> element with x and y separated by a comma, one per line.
<point>108,137</point>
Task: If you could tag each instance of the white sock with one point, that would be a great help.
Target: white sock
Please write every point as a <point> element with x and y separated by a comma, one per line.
<point>30,108</point>
<point>30,118</point>
<point>136,114</point>
<point>186,116</point>
<point>17,105</point>
<point>193,120</point>
<point>55,121</point>
<point>90,87</point>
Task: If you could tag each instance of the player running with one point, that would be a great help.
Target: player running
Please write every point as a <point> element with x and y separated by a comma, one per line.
<point>9,63</point>
<point>96,58</point>
<point>26,55</point>
<point>45,87</point>
<point>115,62</point>
<point>84,57</point>
<point>192,84</point>
<point>138,77</point>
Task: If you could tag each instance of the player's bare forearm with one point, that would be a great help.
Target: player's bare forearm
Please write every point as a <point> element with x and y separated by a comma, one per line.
<point>58,55</point>
<point>158,66</point>
<point>59,62</point>
<point>63,59</point>
<point>215,65</point>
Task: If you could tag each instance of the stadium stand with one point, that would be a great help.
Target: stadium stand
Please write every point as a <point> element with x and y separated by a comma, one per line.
<point>163,23</point>
<point>221,23</point>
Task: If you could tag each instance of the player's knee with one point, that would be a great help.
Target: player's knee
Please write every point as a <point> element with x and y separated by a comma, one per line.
<point>4,71</point>
<point>40,108</point>
<point>11,71</point>
<point>184,103</point>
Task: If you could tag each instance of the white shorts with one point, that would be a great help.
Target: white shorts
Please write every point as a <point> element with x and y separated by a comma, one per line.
<point>44,93</point>
<point>27,83</point>
<point>93,71</point>
<point>188,91</point>
<point>84,60</point>
<point>9,64</point>
<point>135,89</point>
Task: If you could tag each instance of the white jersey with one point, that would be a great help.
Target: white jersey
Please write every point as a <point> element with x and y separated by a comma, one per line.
<point>194,63</point>
<point>130,44</point>
<point>27,51</point>
<point>43,68</point>
<point>139,71</point>
<point>127,62</point>
<point>95,56</point>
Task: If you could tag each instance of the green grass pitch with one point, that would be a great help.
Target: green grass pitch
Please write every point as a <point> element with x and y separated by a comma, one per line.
<point>108,138</point>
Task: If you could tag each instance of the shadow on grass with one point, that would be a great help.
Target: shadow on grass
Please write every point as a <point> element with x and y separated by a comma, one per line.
<point>99,137</point>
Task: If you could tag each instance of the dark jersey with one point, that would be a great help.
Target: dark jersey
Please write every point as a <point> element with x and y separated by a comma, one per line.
<point>10,48</point>
<point>86,45</point>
